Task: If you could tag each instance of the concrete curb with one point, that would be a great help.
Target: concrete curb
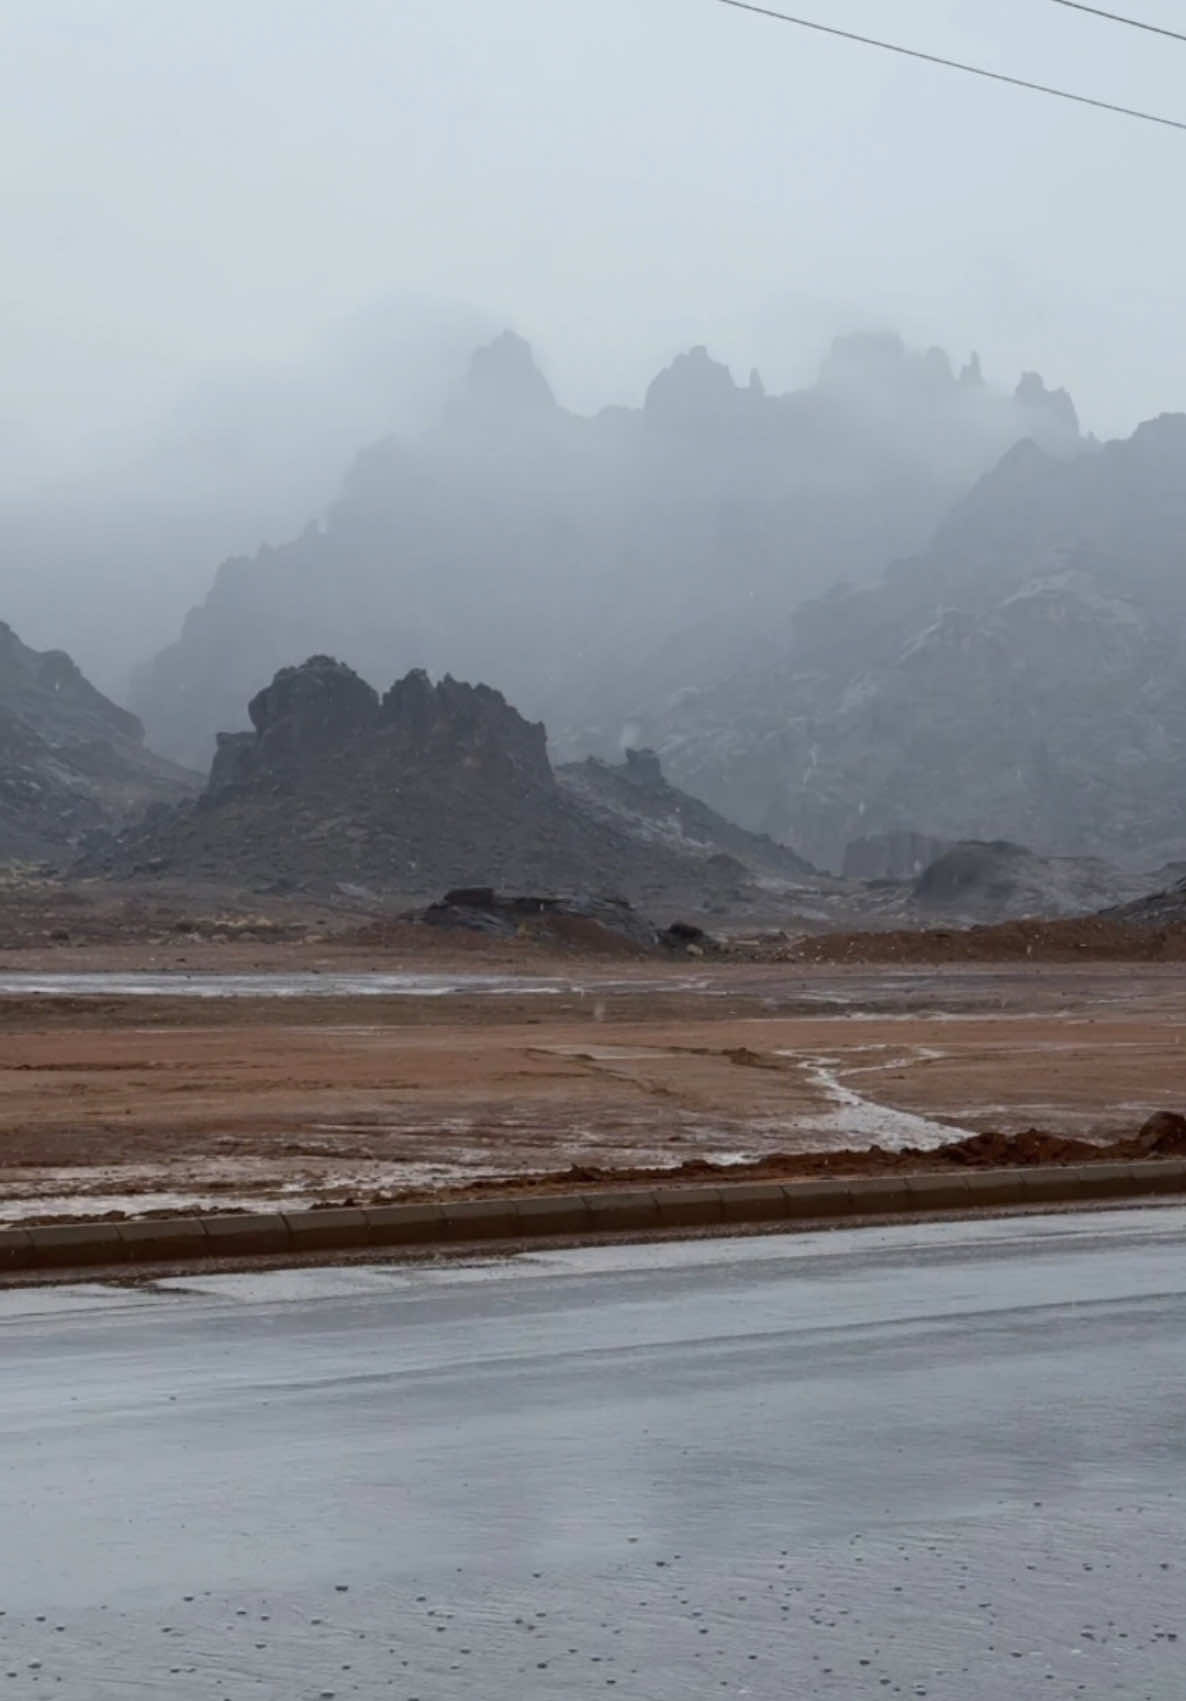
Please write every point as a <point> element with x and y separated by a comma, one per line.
<point>609,1211</point>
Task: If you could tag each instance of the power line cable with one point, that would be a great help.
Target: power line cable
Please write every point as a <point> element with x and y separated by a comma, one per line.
<point>1117,18</point>
<point>954,64</point>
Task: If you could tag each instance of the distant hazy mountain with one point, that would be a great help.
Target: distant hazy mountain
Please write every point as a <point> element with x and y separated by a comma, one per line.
<point>1022,678</point>
<point>106,559</point>
<point>598,567</point>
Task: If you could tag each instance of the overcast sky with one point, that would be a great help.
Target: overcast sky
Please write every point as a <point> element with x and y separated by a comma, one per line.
<point>205,187</point>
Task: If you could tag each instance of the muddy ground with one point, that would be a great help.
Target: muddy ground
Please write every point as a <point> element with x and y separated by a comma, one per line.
<point>476,1061</point>
<point>144,1103</point>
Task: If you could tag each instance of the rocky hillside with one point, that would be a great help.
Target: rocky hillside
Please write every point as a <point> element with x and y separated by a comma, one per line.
<point>599,566</point>
<point>434,788</point>
<point>634,796</point>
<point>71,761</point>
<point>1163,908</point>
<point>974,881</point>
<point>424,788</point>
<point>1024,677</point>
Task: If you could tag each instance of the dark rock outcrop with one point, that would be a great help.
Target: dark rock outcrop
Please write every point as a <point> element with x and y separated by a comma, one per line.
<point>975,880</point>
<point>469,724</point>
<point>1163,1134</point>
<point>430,786</point>
<point>972,873</point>
<point>585,921</point>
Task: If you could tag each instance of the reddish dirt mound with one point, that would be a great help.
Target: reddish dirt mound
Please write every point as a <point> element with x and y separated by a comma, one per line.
<point>1081,938</point>
<point>1162,1136</point>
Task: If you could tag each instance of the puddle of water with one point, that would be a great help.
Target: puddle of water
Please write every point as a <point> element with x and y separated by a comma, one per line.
<point>273,985</point>
<point>313,984</point>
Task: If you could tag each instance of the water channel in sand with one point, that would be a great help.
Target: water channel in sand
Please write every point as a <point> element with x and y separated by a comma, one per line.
<point>149,1090</point>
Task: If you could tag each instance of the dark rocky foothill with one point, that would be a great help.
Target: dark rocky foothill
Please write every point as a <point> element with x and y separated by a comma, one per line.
<point>1163,908</point>
<point>71,761</point>
<point>338,790</point>
<point>429,786</point>
<point>981,881</point>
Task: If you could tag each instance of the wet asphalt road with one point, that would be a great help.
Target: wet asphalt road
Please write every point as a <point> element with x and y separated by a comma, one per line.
<point>944,1461</point>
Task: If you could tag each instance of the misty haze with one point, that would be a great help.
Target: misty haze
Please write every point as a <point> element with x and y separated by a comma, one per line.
<point>592,849</point>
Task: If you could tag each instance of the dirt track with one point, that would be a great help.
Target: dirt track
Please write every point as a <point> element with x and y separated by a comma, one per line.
<point>145,1103</point>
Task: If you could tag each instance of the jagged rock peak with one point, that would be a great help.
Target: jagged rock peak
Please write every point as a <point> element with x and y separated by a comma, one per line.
<point>1054,407</point>
<point>862,357</point>
<point>878,364</point>
<point>503,378</point>
<point>643,768</point>
<point>323,709</point>
<point>317,702</point>
<point>935,368</point>
<point>306,712</point>
<point>474,724</point>
<point>694,385</point>
<point>971,373</point>
<point>1165,434</point>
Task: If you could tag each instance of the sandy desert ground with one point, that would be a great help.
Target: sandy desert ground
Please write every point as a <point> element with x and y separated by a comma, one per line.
<point>181,1085</point>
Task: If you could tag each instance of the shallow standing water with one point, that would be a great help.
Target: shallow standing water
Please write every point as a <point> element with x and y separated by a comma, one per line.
<point>306,984</point>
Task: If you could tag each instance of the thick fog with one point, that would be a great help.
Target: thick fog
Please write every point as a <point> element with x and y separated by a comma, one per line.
<point>245,241</point>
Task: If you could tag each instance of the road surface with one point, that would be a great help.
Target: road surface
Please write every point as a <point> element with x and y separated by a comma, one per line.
<point>943,1461</point>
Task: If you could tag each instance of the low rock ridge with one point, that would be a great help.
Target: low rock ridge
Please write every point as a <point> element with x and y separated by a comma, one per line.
<point>583,921</point>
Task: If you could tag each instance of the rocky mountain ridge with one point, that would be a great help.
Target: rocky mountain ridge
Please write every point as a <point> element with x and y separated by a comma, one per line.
<point>1022,678</point>
<point>595,565</point>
